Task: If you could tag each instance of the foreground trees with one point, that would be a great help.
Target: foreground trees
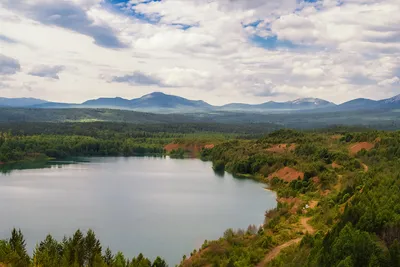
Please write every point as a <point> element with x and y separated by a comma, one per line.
<point>77,251</point>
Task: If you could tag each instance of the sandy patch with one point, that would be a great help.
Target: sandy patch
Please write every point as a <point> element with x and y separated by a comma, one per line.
<point>281,148</point>
<point>209,146</point>
<point>275,251</point>
<point>354,149</point>
<point>307,228</point>
<point>316,180</point>
<point>193,150</point>
<point>325,192</point>
<point>313,204</point>
<point>336,166</point>
<point>171,147</point>
<point>287,174</point>
<point>295,203</point>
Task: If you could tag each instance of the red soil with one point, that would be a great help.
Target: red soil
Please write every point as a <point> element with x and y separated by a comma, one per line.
<point>313,204</point>
<point>2,163</point>
<point>316,180</point>
<point>291,201</point>
<point>325,193</point>
<point>281,148</point>
<point>336,166</point>
<point>287,174</point>
<point>171,147</point>
<point>210,146</point>
<point>193,149</point>
<point>354,149</point>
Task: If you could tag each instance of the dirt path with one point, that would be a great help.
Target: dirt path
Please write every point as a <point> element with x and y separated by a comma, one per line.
<point>365,167</point>
<point>275,252</point>
<point>307,228</point>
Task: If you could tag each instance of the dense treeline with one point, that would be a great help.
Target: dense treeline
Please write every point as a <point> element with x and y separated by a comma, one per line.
<point>77,251</point>
<point>385,119</point>
<point>16,148</point>
<point>110,129</point>
<point>19,141</point>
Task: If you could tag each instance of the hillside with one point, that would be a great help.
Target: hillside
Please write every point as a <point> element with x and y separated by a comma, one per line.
<point>86,115</point>
<point>337,206</point>
<point>20,102</point>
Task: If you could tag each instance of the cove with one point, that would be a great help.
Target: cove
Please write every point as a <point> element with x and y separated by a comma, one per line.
<point>155,206</point>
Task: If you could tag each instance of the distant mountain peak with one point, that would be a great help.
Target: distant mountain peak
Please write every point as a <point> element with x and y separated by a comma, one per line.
<point>161,102</point>
<point>311,100</point>
<point>152,95</point>
<point>20,102</point>
<point>394,99</point>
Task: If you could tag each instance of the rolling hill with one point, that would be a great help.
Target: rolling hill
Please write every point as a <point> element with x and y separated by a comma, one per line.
<point>158,102</point>
<point>20,102</point>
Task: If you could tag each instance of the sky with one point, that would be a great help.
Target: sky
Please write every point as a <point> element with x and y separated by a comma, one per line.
<point>220,51</point>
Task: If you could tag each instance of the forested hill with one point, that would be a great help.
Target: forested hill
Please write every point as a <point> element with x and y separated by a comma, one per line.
<point>338,198</point>
<point>87,115</point>
<point>384,119</point>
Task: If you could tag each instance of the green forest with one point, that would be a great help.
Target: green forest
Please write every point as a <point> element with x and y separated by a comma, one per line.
<point>337,191</point>
<point>78,250</point>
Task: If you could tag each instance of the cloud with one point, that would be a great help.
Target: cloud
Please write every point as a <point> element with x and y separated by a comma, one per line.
<point>138,78</point>
<point>68,16</point>
<point>220,51</point>
<point>6,39</point>
<point>47,71</point>
<point>390,82</point>
<point>8,65</point>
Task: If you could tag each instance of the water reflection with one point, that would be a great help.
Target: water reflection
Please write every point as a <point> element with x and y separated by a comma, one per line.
<point>157,206</point>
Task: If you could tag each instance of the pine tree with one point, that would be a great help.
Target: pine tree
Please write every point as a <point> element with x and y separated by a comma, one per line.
<point>18,246</point>
<point>159,263</point>
<point>92,248</point>
<point>108,257</point>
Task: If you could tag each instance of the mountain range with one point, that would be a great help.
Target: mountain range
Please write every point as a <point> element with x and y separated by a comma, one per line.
<point>160,102</point>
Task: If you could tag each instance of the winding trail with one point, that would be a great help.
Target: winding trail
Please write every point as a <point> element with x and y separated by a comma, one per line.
<point>365,167</point>
<point>307,228</point>
<point>275,251</point>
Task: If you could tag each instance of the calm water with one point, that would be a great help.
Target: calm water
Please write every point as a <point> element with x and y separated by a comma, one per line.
<point>157,206</point>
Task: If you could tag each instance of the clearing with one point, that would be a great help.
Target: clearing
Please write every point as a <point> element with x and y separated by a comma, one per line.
<point>336,165</point>
<point>291,201</point>
<point>354,149</point>
<point>193,148</point>
<point>281,148</point>
<point>287,174</point>
<point>307,228</point>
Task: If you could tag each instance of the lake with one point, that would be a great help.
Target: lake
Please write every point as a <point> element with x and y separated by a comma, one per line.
<point>157,206</point>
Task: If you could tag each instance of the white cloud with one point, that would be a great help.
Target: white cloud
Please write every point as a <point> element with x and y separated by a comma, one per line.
<point>201,49</point>
<point>47,71</point>
<point>8,65</point>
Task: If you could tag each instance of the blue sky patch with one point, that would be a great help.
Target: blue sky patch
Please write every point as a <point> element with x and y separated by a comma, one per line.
<point>271,42</point>
<point>121,6</point>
